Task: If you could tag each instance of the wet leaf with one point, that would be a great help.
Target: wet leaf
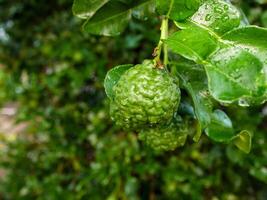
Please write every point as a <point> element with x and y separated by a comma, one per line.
<point>177,9</point>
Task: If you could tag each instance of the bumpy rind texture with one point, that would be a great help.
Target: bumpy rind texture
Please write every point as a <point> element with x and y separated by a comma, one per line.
<point>144,96</point>
<point>165,138</point>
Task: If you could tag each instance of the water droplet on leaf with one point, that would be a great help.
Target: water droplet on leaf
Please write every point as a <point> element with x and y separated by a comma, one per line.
<point>218,10</point>
<point>226,7</point>
<point>243,103</point>
<point>225,18</point>
<point>208,17</point>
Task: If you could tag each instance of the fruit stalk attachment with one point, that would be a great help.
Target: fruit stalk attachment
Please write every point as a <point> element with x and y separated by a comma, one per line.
<point>161,45</point>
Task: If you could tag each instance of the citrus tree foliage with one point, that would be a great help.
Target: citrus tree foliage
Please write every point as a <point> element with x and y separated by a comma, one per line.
<point>72,150</point>
<point>230,53</point>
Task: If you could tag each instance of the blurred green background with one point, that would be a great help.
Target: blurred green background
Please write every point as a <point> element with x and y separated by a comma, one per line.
<point>51,76</point>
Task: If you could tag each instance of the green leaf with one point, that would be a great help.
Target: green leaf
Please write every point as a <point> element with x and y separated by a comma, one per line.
<point>250,35</point>
<point>264,19</point>
<point>236,75</point>
<point>236,63</point>
<point>194,80</point>
<point>112,78</point>
<point>112,17</point>
<point>177,9</point>
<point>259,172</point>
<point>220,128</point>
<point>217,15</point>
<point>243,141</point>
<point>87,8</point>
<point>252,39</point>
<point>142,12</point>
<point>193,43</point>
<point>110,20</point>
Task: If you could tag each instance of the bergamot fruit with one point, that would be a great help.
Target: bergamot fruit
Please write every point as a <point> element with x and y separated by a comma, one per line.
<point>144,96</point>
<point>164,138</point>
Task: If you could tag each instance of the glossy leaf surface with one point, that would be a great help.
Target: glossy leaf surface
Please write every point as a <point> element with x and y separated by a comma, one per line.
<point>110,18</point>
<point>87,8</point>
<point>236,63</point>
<point>194,80</point>
<point>217,15</point>
<point>252,39</point>
<point>236,75</point>
<point>193,43</point>
<point>177,9</point>
<point>220,128</point>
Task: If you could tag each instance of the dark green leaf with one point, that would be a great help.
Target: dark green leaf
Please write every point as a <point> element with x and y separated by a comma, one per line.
<point>142,12</point>
<point>113,76</point>
<point>194,80</point>
<point>259,173</point>
<point>177,9</point>
<point>87,8</point>
<point>112,18</point>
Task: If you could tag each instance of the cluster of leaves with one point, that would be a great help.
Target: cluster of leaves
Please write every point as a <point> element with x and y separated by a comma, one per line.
<point>71,150</point>
<point>229,56</point>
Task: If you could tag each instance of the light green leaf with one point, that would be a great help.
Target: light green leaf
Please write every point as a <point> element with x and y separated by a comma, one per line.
<point>112,78</point>
<point>243,141</point>
<point>177,9</point>
<point>87,8</point>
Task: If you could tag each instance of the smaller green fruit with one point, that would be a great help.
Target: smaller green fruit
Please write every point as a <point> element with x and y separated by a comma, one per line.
<point>166,138</point>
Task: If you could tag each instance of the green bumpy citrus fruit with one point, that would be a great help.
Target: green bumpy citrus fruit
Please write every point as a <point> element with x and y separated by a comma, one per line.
<point>144,96</point>
<point>164,138</point>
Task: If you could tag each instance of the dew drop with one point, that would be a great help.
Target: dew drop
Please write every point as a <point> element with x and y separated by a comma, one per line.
<point>243,103</point>
<point>226,7</point>
<point>225,18</point>
<point>208,17</point>
<point>218,10</point>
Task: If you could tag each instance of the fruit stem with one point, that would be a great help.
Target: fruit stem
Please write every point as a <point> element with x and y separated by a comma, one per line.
<point>164,36</point>
<point>161,45</point>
